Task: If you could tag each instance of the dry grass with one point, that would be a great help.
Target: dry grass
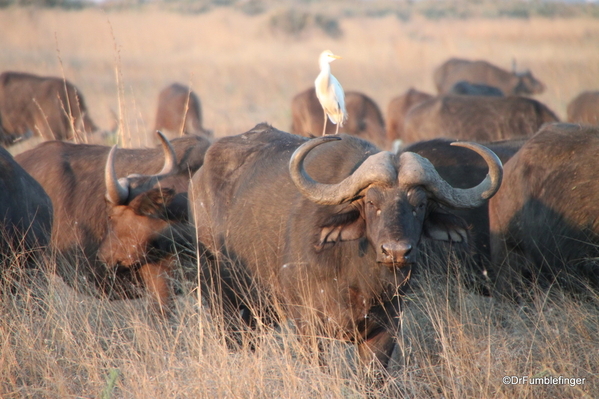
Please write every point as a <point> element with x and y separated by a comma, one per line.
<point>245,73</point>
<point>57,343</point>
<point>454,344</point>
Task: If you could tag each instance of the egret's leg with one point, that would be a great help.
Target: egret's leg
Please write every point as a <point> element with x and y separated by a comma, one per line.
<point>324,125</point>
<point>337,129</point>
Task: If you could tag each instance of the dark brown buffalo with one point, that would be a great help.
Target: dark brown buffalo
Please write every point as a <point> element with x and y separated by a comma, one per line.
<point>397,110</point>
<point>333,252</point>
<point>25,214</point>
<point>455,70</point>
<point>48,107</point>
<point>475,118</point>
<point>179,112</point>
<point>463,168</point>
<point>364,118</point>
<point>116,231</point>
<point>584,108</point>
<point>544,219</point>
<point>463,88</point>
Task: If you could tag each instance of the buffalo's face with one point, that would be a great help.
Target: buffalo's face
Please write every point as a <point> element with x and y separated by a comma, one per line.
<point>394,220</point>
<point>134,228</point>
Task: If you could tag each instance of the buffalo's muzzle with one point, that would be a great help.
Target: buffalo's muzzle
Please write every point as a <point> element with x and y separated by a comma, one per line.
<point>395,252</point>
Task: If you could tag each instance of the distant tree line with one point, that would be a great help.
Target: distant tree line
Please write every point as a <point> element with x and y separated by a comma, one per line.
<point>302,14</point>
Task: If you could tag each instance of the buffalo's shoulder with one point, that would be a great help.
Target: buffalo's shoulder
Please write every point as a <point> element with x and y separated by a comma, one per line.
<point>227,156</point>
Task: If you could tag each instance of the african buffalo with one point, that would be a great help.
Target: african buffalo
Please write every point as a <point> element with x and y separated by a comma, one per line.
<point>463,88</point>
<point>584,108</point>
<point>483,72</point>
<point>117,230</point>
<point>397,110</point>
<point>49,107</point>
<point>463,168</point>
<point>25,214</point>
<point>179,112</point>
<point>475,118</point>
<point>364,118</point>
<point>544,220</point>
<point>324,230</point>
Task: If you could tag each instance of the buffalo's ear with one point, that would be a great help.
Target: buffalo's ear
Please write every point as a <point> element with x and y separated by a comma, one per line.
<point>344,227</point>
<point>446,227</point>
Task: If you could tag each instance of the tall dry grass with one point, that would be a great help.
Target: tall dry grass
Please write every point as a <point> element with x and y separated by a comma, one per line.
<point>245,72</point>
<point>453,343</point>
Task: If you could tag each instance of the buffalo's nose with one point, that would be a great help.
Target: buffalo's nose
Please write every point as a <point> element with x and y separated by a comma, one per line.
<point>396,252</point>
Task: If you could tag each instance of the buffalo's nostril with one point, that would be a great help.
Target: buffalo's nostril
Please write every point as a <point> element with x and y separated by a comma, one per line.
<point>407,252</point>
<point>396,251</point>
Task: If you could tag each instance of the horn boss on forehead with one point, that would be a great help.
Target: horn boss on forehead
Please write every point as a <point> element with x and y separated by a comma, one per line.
<point>379,168</point>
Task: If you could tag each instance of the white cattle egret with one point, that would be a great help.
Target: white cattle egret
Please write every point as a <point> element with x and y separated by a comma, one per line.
<point>329,92</point>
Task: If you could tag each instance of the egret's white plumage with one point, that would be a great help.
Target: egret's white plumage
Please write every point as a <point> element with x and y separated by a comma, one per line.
<point>329,92</point>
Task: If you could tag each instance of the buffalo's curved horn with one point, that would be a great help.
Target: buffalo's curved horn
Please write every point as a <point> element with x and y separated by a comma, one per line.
<point>377,168</point>
<point>170,158</point>
<point>116,193</point>
<point>416,170</point>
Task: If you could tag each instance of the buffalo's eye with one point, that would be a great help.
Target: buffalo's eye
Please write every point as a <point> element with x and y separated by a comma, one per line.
<point>373,205</point>
<point>419,208</point>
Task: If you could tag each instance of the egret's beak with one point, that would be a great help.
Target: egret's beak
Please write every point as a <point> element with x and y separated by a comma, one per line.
<point>335,56</point>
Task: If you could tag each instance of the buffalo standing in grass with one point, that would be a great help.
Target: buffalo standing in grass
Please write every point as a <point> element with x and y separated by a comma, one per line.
<point>48,107</point>
<point>455,70</point>
<point>327,228</point>
<point>544,220</point>
<point>117,232</point>
<point>179,112</point>
<point>364,118</point>
<point>475,118</point>
<point>584,108</point>
<point>25,213</point>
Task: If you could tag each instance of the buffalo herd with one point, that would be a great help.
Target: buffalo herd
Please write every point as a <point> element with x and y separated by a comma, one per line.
<point>324,231</point>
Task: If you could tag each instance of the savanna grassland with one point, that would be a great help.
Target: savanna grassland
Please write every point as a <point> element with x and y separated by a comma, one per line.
<point>246,67</point>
